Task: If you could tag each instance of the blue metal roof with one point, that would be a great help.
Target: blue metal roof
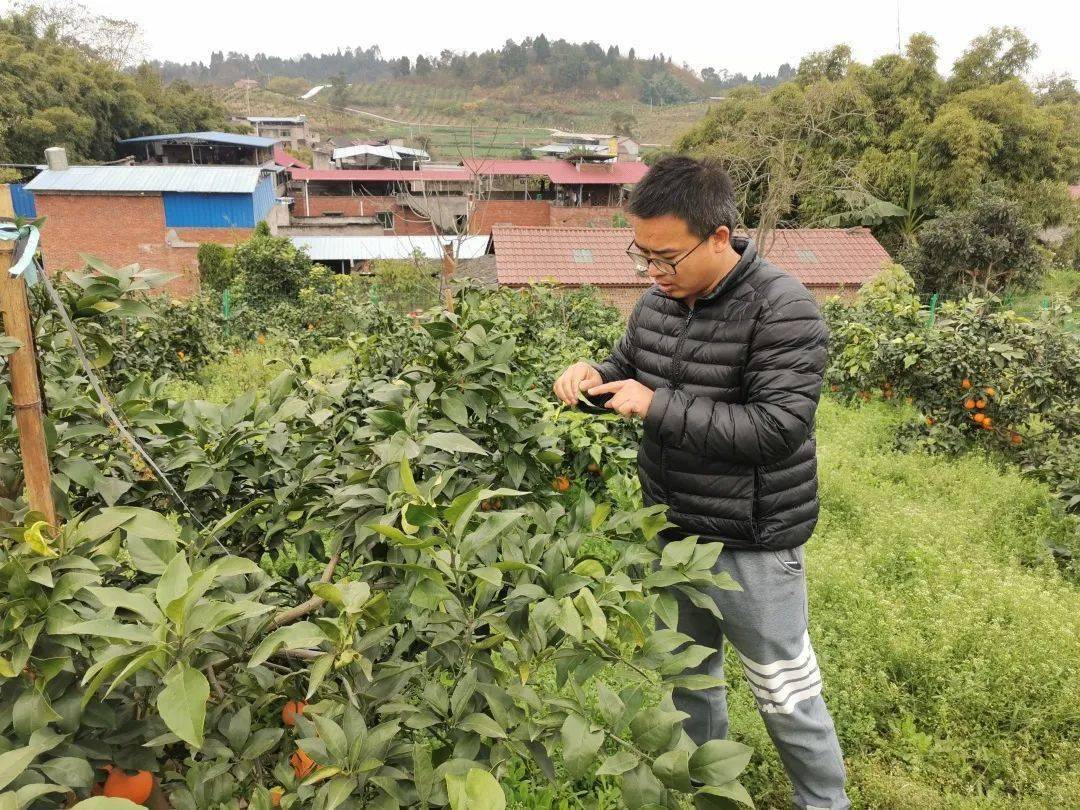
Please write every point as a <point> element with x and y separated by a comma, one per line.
<point>230,138</point>
<point>181,178</point>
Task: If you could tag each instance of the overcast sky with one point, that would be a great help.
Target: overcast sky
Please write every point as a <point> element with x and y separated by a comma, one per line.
<point>745,36</point>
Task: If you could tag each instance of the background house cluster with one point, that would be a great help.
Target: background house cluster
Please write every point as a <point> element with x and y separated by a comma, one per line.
<point>551,218</point>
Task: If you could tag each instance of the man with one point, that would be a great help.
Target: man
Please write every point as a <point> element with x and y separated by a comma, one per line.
<point>723,360</point>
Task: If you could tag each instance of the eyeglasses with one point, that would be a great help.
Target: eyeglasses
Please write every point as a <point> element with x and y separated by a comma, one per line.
<point>663,266</point>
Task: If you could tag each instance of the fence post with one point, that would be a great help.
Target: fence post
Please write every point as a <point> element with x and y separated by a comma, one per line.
<point>448,275</point>
<point>933,309</point>
<point>26,389</point>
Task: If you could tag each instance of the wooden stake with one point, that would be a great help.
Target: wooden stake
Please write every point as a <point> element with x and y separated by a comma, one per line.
<point>448,265</point>
<point>26,389</point>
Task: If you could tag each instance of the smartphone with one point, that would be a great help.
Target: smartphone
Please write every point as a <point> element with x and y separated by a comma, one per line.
<point>593,404</point>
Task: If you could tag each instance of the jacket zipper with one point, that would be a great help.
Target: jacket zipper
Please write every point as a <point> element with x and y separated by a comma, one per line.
<point>676,377</point>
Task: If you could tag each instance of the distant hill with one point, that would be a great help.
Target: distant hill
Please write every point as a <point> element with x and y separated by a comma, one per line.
<point>535,64</point>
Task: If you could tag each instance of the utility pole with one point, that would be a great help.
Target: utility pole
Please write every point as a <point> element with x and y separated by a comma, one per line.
<point>26,389</point>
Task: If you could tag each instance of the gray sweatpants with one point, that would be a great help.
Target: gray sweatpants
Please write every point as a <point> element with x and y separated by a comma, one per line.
<point>766,623</point>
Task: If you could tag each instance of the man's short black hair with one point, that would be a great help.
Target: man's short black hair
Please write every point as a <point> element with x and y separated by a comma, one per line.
<point>699,192</point>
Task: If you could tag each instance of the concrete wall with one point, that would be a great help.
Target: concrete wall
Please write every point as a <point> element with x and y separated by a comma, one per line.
<point>122,230</point>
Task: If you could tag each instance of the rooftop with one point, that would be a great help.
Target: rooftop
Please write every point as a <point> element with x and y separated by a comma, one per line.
<point>277,119</point>
<point>576,256</point>
<point>151,178</point>
<point>382,175</point>
<point>228,138</point>
<point>383,151</point>
<point>362,248</point>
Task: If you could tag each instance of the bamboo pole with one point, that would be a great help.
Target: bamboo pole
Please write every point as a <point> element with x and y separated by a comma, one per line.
<point>26,389</point>
<point>448,264</point>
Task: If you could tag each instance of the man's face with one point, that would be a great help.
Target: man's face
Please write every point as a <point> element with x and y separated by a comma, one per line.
<point>667,237</point>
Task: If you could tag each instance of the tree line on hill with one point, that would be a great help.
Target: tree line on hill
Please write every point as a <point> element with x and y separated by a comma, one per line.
<point>535,63</point>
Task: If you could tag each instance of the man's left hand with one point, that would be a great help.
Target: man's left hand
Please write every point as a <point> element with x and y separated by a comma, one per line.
<point>629,397</point>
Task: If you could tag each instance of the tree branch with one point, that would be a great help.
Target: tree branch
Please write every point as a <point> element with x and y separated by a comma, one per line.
<point>314,603</point>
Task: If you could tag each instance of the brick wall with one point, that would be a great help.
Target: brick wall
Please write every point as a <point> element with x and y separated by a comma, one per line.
<point>509,212</point>
<point>591,216</point>
<point>122,230</point>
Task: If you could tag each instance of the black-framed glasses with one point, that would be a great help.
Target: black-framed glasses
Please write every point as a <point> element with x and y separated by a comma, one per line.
<point>666,268</point>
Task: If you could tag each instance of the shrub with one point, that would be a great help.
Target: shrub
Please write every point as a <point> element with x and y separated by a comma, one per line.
<point>988,246</point>
<point>270,269</point>
<point>216,271</point>
<point>979,374</point>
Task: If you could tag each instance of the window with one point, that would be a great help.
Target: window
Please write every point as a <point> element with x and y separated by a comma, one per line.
<point>806,256</point>
<point>386,219</point>
<point>583,256</point>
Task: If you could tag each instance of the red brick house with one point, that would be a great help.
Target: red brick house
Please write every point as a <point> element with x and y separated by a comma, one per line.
<point>829,261</point>
<point>152,215</point>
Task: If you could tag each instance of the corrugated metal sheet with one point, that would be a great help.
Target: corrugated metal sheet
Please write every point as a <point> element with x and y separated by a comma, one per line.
<point>384,151</point>
<point>23,201</point>
<point>208,210</point>
<point>360,248</point>
<point>263,198</point>
<point>149,179</point>
<point>208,136</point>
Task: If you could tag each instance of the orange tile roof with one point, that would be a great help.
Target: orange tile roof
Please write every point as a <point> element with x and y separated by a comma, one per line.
<point>575,256</point>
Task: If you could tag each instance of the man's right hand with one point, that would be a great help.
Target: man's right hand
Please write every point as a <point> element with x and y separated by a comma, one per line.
<point>575,379</point>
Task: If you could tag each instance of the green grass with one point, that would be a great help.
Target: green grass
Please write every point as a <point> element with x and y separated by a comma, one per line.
<point>1059,285</point>
<point>947,638</point>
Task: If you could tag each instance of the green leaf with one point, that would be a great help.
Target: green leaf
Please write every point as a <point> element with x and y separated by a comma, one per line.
<point>653,728</point>
<point>719,761</point>
<point>641,790</point>
<point>454,408</point>
<point>478,790</point>
<point>673,769</point>
<point>580,744</point>
<point>484,725</point>
<point>319,671</point>
<point>173,584</point>
<point>110,489</point>
<point>182,703</point>
<point>135,601</point>
<point>107,628</point>
<point>72,772</point>
<point>591,613</point>
<point>423,773</point>
<point>731,796</point>
<point>568,619</point>
<point>79,470</point>
<point>408,483</point>
<point>454,443</point>
<point>14,762</point>
<point>618,763</point>
<point>261,741</point>
<point>292,636</point>
<point>332,736</point>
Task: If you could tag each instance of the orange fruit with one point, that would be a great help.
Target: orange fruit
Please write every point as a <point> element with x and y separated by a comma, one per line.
<point>594,468</point>
<point>979,417</point>
<point>135,788</point>
<point>181,354</point>
<point>496,504</point>
<point>929,420</point>
<point>987,422</point>
<point>561,484</point>
<point>966,383</point>
<point>1015,438</point>
<point>990,392</point>
<point>969,404</point>
<point>485,506</point>
<point>301,763</point>
<point>980,404</point>
<point>290,710</point>
<point>262,338</point>
<point>275,795</point>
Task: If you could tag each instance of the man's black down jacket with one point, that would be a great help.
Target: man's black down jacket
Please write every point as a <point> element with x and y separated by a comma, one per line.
<point>729,438</point>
